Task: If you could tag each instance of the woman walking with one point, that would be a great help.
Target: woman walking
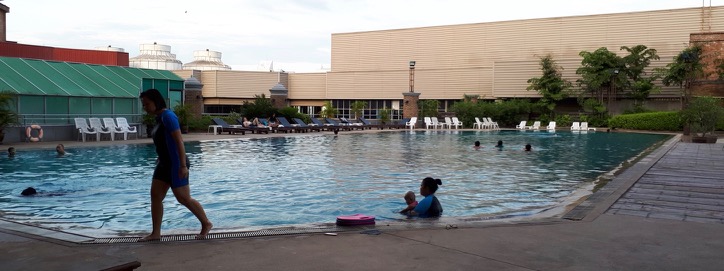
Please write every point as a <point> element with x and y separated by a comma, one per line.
<point>172,169</point>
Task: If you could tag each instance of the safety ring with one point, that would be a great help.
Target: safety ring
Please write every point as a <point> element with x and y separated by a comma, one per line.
<point>29,134</point>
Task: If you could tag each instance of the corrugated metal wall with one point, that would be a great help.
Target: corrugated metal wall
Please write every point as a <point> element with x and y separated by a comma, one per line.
<point>307,85</point>
<point>239,84</point>
<point>496,59</point>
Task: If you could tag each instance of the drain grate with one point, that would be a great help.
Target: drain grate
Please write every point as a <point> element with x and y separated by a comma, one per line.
<point>226,235</point>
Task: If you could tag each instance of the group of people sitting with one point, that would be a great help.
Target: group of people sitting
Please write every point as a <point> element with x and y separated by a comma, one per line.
<point>477,146</point>
<point>261,123</point>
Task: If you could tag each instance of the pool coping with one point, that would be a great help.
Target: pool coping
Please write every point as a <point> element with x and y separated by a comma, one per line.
<point>587,210</point>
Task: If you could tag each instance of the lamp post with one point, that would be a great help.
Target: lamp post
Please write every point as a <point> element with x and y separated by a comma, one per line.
<point>412,76</point>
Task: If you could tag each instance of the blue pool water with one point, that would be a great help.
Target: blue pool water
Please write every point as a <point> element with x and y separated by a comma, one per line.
<point>248,183</point>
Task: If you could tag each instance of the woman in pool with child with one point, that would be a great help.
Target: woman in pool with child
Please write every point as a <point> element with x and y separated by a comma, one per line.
<point>429,206</point>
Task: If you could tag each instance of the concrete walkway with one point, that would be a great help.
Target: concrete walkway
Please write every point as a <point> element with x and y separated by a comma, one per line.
<point>599,239</point>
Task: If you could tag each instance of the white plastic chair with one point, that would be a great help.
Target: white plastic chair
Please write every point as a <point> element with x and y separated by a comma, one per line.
<point>551,125</point>
<point>84,129</point>
<point>96,124</point>
<point>428,122</point>
<point>536,126</point>
<point>457,123</point>
<point>436,124</point>
<point>521,126</point>
<point>448,122</point>
<point>584,127</point>
<point>576,126</point>
<point>109,124</point>
<point>411,123</point>
<point>125,128</point>
<point>479,124</point>
<point>493,125</point>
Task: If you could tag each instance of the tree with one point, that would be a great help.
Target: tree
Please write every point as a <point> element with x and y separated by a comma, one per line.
<point>636,62</point>
<point>328,111</point>
<point>601,73</point>
<point>7,114</point>
<point>551,84</point>
<point>261,107</point>
<point>428,108</point>
<point>357,107</point>
<point>684,71</point>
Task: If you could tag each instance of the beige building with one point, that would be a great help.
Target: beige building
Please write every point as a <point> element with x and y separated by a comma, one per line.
<point>493,60</point>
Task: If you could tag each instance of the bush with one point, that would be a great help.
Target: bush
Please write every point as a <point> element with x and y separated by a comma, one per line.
<point>563,121</point>
<point>506,113</point>
<point>199,124</point>
<point>654,121</point>
<point>290,113</point>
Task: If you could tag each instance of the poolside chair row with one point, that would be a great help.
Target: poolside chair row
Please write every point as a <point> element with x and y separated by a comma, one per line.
<point>107,127</point>
<point>536,125</point>
<point>583,126</point>
<point>299,126</point>
<point>450,123</point>
<point>486,124</point>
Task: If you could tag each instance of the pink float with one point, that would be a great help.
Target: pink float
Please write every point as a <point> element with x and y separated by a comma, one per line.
<point>355,220</point>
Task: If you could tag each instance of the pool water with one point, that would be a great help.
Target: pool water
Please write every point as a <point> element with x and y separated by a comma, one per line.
<point>280,181</point>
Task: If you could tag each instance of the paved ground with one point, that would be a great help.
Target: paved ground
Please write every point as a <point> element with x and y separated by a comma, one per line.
<point>598,239</point>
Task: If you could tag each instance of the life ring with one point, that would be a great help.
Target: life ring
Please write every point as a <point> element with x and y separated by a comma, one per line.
<point>29,134</point>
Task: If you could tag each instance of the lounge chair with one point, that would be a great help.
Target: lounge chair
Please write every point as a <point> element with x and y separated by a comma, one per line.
<point>551,126</point>
<point>288,126</point>
<point>109,124</point>
<point>584,127</point>
<point>252,128</point>
<point>411,123</point>
<point>304,125</point>
<point>576,126</point>
<point>368,124</point>
<point>448,122</point>
<point>521,126</point>
<point>436,123</point>
<point>457,123</point>
<point>354,125</point>
<point>84,129</point>
<point>229,128</point>
<point>96,124</point>
<point>325,126</point>
<point>400,123</point>
<point>536,126</point>
<point>122,123</point>
<point>493,125</point>
<point>479,124</point>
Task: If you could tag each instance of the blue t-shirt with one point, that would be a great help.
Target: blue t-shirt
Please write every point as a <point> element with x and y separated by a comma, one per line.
<point>429,207</point>
<point>166,147</point>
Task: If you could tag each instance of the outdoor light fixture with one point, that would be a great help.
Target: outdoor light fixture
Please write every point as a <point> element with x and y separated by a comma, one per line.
<point>412,64</point>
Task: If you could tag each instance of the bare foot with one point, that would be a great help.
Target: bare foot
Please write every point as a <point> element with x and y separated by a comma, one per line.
<point>205,229</point>
<point>151,237</point>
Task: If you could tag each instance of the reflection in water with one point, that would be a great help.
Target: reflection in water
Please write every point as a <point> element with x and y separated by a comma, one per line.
<point>311,179</point>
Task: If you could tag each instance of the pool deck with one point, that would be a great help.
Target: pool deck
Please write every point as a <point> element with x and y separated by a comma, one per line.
<point>665,212</point>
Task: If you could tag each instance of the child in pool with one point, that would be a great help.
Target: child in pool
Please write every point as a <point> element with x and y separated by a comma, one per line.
<point>411,202</point>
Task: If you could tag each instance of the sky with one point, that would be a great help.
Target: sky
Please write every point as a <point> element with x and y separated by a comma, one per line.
<point>294,34</point>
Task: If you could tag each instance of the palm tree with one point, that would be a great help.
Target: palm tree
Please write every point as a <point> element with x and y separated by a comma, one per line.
<point>328,111</point>
<point>357,107</point>
<point>7,115</point>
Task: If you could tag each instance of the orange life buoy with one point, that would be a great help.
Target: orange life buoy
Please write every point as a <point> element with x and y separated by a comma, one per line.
<point>29,134</point>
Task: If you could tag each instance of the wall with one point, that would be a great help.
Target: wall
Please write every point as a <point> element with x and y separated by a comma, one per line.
<point>712,44</point>
<point>11,49</point>
<point>496,59</point>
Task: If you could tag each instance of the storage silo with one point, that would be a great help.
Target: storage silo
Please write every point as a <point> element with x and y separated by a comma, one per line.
<point>206,60</point>
<point>156,56</point>
<point>109,48</point>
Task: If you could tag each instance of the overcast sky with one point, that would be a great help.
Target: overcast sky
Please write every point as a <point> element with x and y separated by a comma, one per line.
<point>295,34</point>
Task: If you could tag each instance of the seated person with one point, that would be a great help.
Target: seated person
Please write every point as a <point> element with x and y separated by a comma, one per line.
<point>257,123</point>
<point>429,206</point>
<point>60,149</point>
<point>246,123</point>
<point>411,202</point>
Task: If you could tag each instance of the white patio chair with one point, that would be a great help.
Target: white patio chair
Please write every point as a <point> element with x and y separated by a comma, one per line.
<point>584,127</point>
<point>428,122</point>
<point>479,124</point>
<point>551,125</point>
<point>448,122</point>
<point>436,123</point>
<point>521,126</point>
<point>493,124</point>
<point>411,123</point>
<point>84,129</point>
<point>125,128</point>
<point>109,124</point>
<point>576,126</point>
<point>457,123</point>
<point>96,124</point>
<point>536,126</point>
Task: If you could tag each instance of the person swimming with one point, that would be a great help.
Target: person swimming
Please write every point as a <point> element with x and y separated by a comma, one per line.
<point>60,149</point>
<point>11,152</point>
<point>477,145</point>
<point>528,147</point>
<point>410,201</point>
<point>29,191</point>
<point>429,206</point>
<point>500,144</point>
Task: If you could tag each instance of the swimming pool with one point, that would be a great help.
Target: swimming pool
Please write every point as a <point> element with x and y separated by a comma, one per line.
<point>279,181</point>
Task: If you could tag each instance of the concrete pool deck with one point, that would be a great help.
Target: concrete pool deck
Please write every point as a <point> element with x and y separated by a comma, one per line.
<point>662,213</point>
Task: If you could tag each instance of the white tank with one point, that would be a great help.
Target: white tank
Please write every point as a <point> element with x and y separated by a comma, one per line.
<point>206,60</point>
<point>155,56</point>
<point>109,48</point>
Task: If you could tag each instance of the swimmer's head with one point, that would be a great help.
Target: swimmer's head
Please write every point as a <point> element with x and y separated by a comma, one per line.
<point>29,191</point>
<point>60,149</point>
<point>528,147</point>
<point>500,143</point>
<point>409,197</point>
<point>11,151</point>
<point>477,143</point>
<point>429,186</point>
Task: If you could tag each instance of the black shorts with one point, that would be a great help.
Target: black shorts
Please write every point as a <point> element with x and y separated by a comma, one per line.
<point>167,174</point>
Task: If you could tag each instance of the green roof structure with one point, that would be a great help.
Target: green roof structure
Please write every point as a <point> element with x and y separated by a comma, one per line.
<point>52,78</point>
